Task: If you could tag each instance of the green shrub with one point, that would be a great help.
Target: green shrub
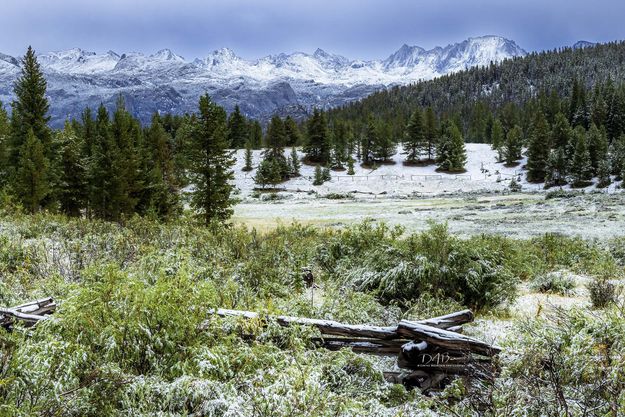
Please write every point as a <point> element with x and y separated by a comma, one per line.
<point>602,292</point>
<point>553,283</point>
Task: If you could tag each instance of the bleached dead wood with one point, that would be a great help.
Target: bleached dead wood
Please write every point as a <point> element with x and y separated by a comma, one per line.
<point>28,314</point>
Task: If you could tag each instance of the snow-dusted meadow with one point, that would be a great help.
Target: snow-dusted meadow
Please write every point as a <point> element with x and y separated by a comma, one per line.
<point>477,201</point>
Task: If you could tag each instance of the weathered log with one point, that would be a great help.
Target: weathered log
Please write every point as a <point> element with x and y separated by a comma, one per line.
<point>29,313</point>
<point>445,338</point>
<point>358,345</point>
<point>325,326</point>
<point>449,320</point>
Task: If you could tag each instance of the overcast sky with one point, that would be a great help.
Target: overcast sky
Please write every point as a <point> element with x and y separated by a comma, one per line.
<point>363,29</point>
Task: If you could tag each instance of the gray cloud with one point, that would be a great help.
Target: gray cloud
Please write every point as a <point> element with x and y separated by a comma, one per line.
<point>358,29</point>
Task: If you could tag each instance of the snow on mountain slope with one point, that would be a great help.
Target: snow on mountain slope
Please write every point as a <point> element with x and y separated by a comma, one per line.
<point>283,83</point>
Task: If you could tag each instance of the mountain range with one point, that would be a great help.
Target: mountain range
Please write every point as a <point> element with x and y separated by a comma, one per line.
<point>276,84</point>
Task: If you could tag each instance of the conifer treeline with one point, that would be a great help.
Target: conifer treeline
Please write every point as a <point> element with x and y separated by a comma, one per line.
<point>108,166</point>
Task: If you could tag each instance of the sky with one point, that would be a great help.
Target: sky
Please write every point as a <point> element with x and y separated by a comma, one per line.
<point>358,29</point>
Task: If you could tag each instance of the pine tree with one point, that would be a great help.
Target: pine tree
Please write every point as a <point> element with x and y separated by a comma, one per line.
<point>268,173</point>
<point>30,110</point>
<point>431,133</point>
<point>557,168</point>
<point>561,133</point>
<point>497,136</point>
<point>102,170</point>
<point>294,163</point>
<point>318,177</point>
<point>350,166</point>
<point>597,146</point>
<point>256,135</point>
<point>160,194</point>
<point>293,135</point>
<point>369,138</point>
<point>451,155</point>
<point>5,131</point>
<point>317,147</point>
<point>538,150</point>
<point>384,146</point>
<point>276,140</point>
<point>210,163</point>
<point>32,183</point>
<point>248,157</point>
<point>237,129</point>
<point>513,145</point>
<point>581,168</point>
<point>73,183</point>
<point>414,139</point>
<point>603,173</point>
<point>339,144</point>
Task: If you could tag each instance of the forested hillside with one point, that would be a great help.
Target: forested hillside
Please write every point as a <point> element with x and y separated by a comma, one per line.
<point>468,95</point>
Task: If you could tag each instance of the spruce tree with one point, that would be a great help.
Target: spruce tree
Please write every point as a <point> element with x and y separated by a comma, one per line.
<point>597,146</point>
<point>384,146</point>
<point>318,176</point>
<point>369,139</point>
<point>268,173</point>
<point>497,137</point>
<point>211,163</point>
<point>557,168</point>
<point>102,170</point>
<point>561,133</point>
<point>73,182</point>
<point>603,174</point>
<point>350,166</point>
<point>513,145</point>
<point>5,130</point>
<point>30,109</point>
<point>248,157</point>
<point>581,168</point>
<point>431,133</point>
<point>294,163</point>
<point>256,135</point>
<point>237,129</point>
<point>414,139</point>
<point>451,155</point>
<point>32,184</point>
<point>317,147</point>
<point>275,141</point>
<point>538,150</point>
<point>160,194</point>
<point>339,144</point>
<point>293,135</point>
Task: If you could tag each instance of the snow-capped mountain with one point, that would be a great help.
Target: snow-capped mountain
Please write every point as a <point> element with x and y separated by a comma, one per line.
<point>283,83</point>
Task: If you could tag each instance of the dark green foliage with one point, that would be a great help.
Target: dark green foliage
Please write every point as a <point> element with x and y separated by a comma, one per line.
<point>5,131</point>
<point>238,133</point>
<point>557,169</point>
<point>275,142</point>
<point>293,135</point>
<point>340,144</point>
<point>513,145</point>
<point>431,133</point>
<point>248,157</point>
<point>350,166</point>
<point>538,149</point>
<point>597,146</point>
<point>73,182</point>
<point>383,147</point>
<point>603,173</point>
<point>561,133</point>
<point>497,136</point>
<point>318,146</point>
<point>269,172</point>
<point>32,183</point>
<point>602,292</point>
<point>255,134</point>
<point>318,178</point>
<point>294,163</point>
<point>414,139</point>
<point>211,163</point>
<point>29,109</point>
<point>581,168</point>
<point>451,155</point>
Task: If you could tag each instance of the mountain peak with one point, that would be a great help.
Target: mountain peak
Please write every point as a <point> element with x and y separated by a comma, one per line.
<point>583,44</point>
<point>167,55</point>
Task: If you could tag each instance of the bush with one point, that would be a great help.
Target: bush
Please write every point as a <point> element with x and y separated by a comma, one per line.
<point>554,283</point>
<point>602,292</point>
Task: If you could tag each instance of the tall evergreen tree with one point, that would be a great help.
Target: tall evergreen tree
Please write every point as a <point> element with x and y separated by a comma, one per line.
<point>431,133</point>
<point>32,184</point>
<point>293,135</point>
<point>255,135</point>
<point>5,131</point>
<point>276,140</point>
<point>513,145</point>
<point>248,157</point>
<point>384,146</point>
<point>581,167</point>
<point>30,109</point>
<point>317,147</point>
<point>497,138</point>
<point>561,133</point>
<point>451,155</point>
<point>414,140</point>
<point>237,129</point>
<point>294,163</point>
<point>73,178</point>
<point>102,171</point>
<point>538,150</point>
<point>339,144</point>
<point>210,163</point>
<point>597,146</point>
<point>369,138</point>
<point>557,168</point>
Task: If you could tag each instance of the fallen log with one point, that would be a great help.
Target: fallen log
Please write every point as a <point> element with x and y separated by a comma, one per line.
<point>28,314</point>
<point>444,338</point>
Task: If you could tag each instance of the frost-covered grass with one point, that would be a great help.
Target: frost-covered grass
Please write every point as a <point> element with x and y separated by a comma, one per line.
<point>126,338</point>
